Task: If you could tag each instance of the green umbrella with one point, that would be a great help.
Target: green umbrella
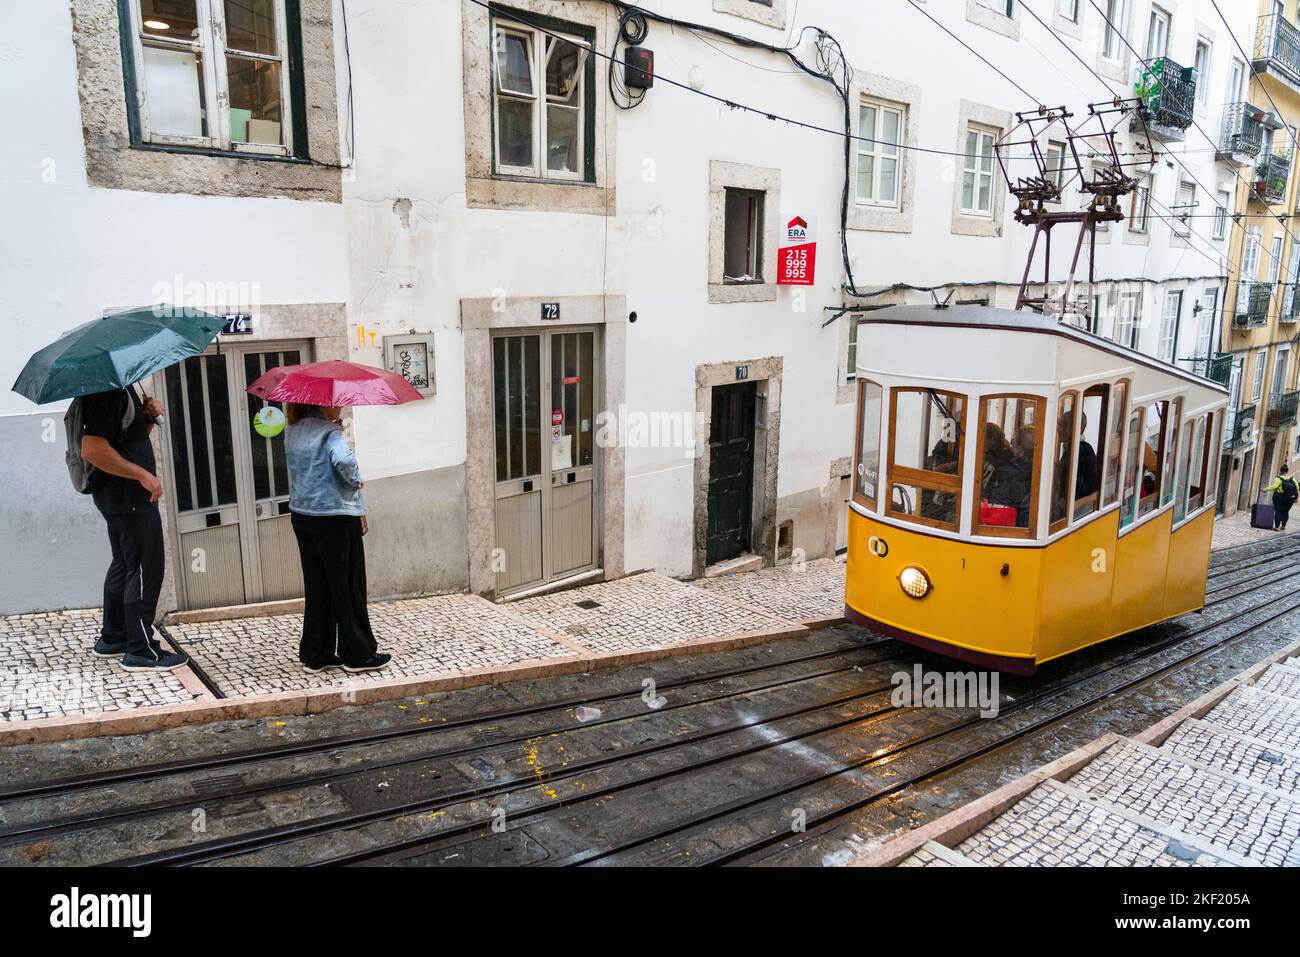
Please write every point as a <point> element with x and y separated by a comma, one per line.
<point>116,351</point>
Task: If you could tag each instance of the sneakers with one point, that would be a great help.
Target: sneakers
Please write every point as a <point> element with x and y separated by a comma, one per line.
<point>166,661</point>
<point>374,663</point>
<point>335,662</point>
<point>107,649</point>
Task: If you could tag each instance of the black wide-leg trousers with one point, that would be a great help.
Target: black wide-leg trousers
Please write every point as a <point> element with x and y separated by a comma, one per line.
<point>335,619</point>
<point>134,581</point>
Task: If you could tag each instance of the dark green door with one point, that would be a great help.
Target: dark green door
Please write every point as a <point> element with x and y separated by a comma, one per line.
<point>731,471</point>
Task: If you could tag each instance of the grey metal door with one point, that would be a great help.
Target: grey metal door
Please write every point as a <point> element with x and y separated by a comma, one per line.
<point>227,486</point>
<point>544,407</point>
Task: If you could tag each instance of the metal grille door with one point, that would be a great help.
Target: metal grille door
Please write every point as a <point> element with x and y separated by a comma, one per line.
<point>544,406</point>
<point>204,474</point>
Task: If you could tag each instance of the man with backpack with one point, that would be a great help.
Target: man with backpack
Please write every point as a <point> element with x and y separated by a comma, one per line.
<point>1285,491</point>
<point>113,460</point>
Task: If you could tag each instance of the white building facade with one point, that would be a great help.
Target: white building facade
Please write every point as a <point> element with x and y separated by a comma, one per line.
<point>581,275</point>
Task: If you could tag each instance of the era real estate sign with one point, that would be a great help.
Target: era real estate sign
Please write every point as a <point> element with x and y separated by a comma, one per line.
<point>796,257</point>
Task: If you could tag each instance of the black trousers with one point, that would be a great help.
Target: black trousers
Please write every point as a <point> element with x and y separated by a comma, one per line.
<point>335,619</point>
<point>1281,510</point>
<point>133,581</point>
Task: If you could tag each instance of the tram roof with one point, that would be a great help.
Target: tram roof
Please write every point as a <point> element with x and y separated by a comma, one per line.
<point>1013,320</point>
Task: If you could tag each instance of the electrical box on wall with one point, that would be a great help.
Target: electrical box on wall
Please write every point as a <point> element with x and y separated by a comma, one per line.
<point>638,68</point>
<point>411,357</point>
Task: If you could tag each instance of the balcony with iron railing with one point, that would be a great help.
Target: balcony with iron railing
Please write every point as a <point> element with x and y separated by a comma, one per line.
<point>1216,368</point>
<point>1289,309</point>
<point>1269,181</point>
<point>1252,310</point>
<point>1167,91</point>
<point>1241,423</point>
<point>1282,408</point>
<point>1277,49</point>
<point>1243,133</point>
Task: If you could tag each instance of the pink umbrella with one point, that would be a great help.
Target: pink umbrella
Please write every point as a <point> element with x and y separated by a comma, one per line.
<point>334,383</point>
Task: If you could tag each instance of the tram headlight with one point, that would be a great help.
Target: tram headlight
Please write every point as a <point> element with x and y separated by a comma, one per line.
<point>914,582</point>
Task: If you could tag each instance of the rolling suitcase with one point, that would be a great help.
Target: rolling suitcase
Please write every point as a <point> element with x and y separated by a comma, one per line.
<point>1261,515</point>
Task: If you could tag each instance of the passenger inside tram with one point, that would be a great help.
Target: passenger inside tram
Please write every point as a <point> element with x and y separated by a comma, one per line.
<point>1007,478</point>
<point>1087,477</point>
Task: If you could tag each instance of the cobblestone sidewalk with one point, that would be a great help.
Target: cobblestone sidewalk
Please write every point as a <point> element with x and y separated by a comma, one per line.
<point>1221,790</point>
<point>47,671</point>
<point>1235,529</point>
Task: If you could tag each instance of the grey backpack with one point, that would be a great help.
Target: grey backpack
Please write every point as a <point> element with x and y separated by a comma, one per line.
<point>85,477</point>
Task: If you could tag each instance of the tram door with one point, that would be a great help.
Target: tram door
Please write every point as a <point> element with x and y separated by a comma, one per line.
<point>227,485</point>
<point>544,390</point>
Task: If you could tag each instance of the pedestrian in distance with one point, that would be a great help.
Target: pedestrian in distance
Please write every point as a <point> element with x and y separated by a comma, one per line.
<point>329,519</point>
<point>1285,492</point>
<point>110,431</point>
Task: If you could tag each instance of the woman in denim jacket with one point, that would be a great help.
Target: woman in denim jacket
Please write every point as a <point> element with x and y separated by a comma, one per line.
<point>329,518</point>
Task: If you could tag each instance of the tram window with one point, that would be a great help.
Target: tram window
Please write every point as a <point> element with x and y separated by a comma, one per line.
<point>925,455</point>
<point>1213,441</point>
<point>869,402</point>
<point>1169,457</point>
<point>1087,471</point>
<point>1132,468</point>
<point>1067,425</point>
<point>1153,457</point>
<point>1187,497</point>
<point>1114,444</point>
<point>1006,486</point>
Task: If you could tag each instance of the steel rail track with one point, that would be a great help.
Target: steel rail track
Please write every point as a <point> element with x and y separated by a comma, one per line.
<point>822,819</point>
<point>63,785</point>
<point>419,845</point>
<point>239,792</point>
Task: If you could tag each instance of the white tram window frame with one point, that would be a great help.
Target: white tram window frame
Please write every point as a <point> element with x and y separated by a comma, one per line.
<point>866,486</point>
<point>1131,506</point>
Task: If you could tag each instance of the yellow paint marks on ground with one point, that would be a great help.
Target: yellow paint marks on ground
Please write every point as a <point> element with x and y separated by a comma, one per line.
<point>539,772</point>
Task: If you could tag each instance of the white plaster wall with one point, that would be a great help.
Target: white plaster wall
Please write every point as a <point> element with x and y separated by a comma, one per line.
<point>68,251</point>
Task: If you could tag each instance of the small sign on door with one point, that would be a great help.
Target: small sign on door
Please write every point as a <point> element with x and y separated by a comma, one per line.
<point>237,324</point>
<point>742,372</point>
<point>550,311</point>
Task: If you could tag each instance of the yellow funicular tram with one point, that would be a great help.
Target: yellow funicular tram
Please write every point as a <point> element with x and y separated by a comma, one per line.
<point>1023,488</point>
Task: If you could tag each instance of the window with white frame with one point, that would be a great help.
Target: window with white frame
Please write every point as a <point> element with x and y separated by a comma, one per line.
<point>1275,260</point>
<point>1208,315</point>
<point>880,130</point>
<point>1126,319</point>
<point>1069,9</point>
<point>977,172</point>
<point>1221,216</point>
<point>1157,33</point>
<point>212,74</point>
<point>1169,325</point>
<point>541,103</point>
<point>1184,209</point>
<point>1116,16</point>
<point>1249,266</point>
<point>851,358</point>
<point>1054,158</point>
<point>1004,7</point>
<point>743,236</point>
<point>1140,206</point>
<point>1236,79</point>
<point>1202,64</point>
<point>1257,381</point>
